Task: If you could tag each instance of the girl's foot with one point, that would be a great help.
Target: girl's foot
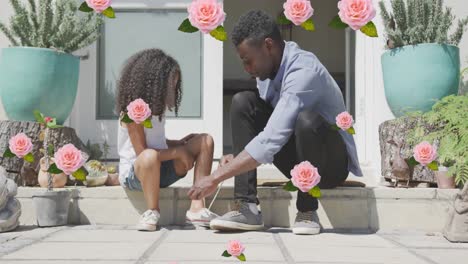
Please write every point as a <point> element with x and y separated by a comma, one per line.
<point>148,221</point>
<point>200,218</point>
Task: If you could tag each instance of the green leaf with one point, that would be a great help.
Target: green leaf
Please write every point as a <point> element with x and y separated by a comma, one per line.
<point>219,33</point>
<point>337,23</point>
<point>53,169</point>
<point>85,8</point>
<point>147,123</point>
<point>433,166</point>
<point>50,150</point>
<point>370,30</point>
<point>315,192</point>
<point>412,162</point>
<point>308,25</point>
<point>29,158</point>
<point>109,12</point>
<point>187,27</point>
<point>80,174</point>
<point>241,257</point>
<point>283,20</point>
<point>351,130</point>
<point>53,124</point>
<point>226,254</point>
<point>8,153</point>
<point>290,187</point>
<point>126,119</point>
<point>335,127</point>
<point>39,116</point>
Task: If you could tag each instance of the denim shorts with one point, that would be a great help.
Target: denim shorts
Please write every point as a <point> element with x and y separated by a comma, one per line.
<point>168,177</point>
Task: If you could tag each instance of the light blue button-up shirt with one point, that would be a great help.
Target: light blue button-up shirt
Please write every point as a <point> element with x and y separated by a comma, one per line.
<point>302,82</point>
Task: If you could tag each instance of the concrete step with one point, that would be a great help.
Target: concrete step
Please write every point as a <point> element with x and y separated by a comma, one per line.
<point>344,208</point>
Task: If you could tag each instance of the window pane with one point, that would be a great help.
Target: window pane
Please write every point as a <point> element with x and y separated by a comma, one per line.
<point>137,30</point>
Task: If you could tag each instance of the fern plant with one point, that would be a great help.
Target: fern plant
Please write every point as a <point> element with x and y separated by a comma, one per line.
<point>55,24</point>
<point>447,125</point>
<point>420,21</point>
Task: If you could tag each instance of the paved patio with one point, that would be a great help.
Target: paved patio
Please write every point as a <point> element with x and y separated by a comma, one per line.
<point>121,244</point>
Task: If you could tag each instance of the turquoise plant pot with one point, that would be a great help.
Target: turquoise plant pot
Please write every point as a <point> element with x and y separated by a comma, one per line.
<point>415,77</point>
<point>37,78</point>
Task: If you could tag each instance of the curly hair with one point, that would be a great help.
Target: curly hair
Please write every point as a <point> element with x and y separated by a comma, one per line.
<point>147,75</point>
<point>255,26</point>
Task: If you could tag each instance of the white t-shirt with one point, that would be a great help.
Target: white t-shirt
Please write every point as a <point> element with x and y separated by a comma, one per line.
<point>155,139</point>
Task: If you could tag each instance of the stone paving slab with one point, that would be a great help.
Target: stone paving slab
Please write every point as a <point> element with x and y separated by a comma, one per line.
<point>122,244</point>
<point>445,256</point>
<point>81,251</point>
<point>212,252</point>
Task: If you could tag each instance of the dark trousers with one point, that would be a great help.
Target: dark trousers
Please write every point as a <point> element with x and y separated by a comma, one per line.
<point>312,140</point>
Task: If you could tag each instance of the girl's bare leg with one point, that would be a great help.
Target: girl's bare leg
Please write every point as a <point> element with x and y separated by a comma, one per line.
<point>202,147</point>
<point>148,170</point>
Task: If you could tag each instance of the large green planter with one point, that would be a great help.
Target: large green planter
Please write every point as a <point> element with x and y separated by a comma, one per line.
<point>415,77</point>
<point>36,78</point>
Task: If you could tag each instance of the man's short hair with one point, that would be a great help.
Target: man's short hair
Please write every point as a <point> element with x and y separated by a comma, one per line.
<point>255,26</point>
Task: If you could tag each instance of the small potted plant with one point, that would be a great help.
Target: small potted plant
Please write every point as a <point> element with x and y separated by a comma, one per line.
<point>51,206</point>
<point>447,126</point>
<point>422,63</point>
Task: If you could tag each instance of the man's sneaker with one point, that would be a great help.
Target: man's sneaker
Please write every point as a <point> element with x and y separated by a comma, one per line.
<point>9,216</point>
<point>200,218</point>
<point>242,219</point>
<point>306,223</point>
<point>148,221</point>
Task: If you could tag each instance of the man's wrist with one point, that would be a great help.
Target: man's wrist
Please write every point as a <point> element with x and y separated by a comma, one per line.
<point>216,178</point>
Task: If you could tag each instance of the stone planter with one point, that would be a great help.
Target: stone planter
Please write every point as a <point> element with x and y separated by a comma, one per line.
<point>52,207</point>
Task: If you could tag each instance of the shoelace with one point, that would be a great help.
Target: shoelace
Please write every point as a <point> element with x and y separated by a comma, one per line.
<point>305,216</point>
<point>216,195</point>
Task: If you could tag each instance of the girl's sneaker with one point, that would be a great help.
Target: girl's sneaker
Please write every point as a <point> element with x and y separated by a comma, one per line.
<point>148,221</point>
<point>200,218</point>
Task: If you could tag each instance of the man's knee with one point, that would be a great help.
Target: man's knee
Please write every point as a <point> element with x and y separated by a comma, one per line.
<point>309,121</point>
<point>241,101</point>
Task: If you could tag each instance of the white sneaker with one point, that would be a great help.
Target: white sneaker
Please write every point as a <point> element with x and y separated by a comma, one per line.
<point>200,218</point>
<point>148,221</point>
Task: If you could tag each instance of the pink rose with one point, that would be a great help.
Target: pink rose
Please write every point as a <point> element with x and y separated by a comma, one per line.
<point>48,119</point>
<point>298,11</point>
<point>425,153</point>
<point>356,13</point>
<point>99,5</point>
<point>20,145</point>
<point>138,111</point>
<point>206,15</point>
<point>305,176</point>
<point>69,159</point>
<point>235,248</point>
<point>344,120</point>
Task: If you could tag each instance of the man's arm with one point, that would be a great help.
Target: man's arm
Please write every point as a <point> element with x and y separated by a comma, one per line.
<point>240,164</point>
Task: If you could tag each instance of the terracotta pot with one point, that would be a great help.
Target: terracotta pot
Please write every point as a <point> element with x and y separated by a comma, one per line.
<point>58,180</point>
<point>443,180</point>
